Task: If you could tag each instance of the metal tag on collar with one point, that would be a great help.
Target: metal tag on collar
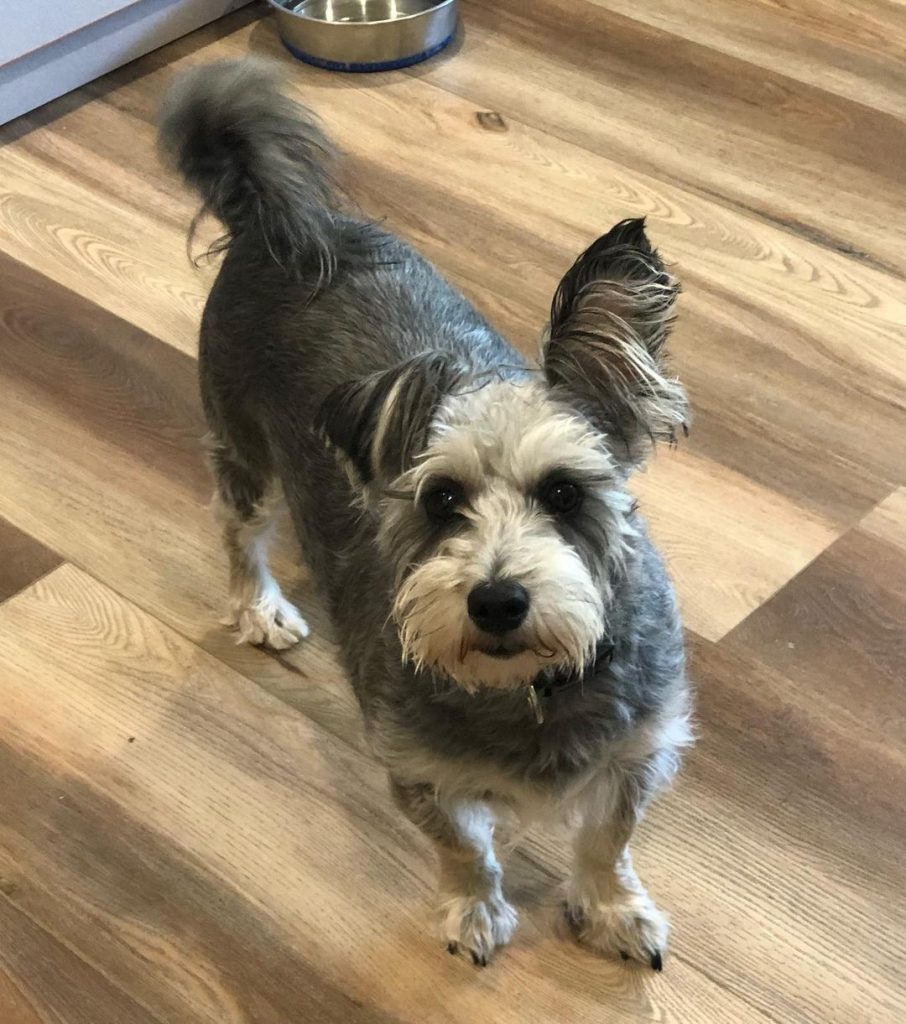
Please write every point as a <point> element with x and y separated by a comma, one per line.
<point>535,704</point>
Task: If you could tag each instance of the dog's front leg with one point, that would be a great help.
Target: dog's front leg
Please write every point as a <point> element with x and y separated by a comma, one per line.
<point>474,915</point>
<point>608,907</point>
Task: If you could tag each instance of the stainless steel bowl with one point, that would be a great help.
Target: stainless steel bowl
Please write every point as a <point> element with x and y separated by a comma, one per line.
<point>365,35</point>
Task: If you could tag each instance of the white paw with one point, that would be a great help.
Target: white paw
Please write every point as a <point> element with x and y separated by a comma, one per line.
<point>270,620</point>
<point>631,927</point>
<point>477,925</point>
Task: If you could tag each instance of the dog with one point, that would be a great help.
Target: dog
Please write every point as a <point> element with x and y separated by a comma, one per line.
<point>510,631</point>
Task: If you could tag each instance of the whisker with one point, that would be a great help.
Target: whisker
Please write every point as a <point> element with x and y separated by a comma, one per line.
<point>420,635</point>
<point>464,647</point>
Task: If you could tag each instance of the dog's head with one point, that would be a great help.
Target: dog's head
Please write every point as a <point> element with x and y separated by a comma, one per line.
<point>500,501</point>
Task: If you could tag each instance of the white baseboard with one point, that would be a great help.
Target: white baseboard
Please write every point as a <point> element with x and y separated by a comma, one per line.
<point>92,51</point>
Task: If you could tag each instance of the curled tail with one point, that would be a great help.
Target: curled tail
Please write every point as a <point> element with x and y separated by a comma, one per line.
<point>258,160</point>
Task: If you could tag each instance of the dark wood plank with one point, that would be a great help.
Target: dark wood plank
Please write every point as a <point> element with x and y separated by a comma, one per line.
<point>122,385</point>
<point>154,924</point>
<point>42,981</point>
<point>22,559</point>
<point>801,861</point>
<point>837,630</point>
<point>849,48</point>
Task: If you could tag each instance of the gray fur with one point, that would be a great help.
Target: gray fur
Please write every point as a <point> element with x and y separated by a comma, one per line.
<point>349,415</point>
<point>281,368</point>
<point>259,161</point>
<point>610,319</point>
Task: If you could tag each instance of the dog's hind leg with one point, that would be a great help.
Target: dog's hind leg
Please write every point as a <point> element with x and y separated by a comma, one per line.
<point>247,501</point>
<point>474,916</point>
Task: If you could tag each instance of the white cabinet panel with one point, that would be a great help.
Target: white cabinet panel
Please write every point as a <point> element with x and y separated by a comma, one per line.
<point>72,54</point>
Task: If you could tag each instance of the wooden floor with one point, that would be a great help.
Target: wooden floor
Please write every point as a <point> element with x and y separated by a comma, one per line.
<point>194,832</point>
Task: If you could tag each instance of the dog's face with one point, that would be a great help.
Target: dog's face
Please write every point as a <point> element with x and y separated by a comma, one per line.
<point>500,500</point>
<point>502,534</point>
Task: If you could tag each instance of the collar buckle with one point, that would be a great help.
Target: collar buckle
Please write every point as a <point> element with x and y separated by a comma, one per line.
<point>535,703</point>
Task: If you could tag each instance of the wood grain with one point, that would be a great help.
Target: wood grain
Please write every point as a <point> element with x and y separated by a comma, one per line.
<point>192,831</point>
<point>887,521</point>
<point>43,980</point>
<point>208,838</point>
<point>796,851</point>
<point>850,48</point>
<point>838,628</point>
<point>117,416</point>
<point>690,114</point>
<point>508,258</point>
<point>101,459</point>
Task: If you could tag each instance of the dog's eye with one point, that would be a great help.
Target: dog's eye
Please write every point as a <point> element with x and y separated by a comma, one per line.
<point>442,502</point>
<point>561,497</point>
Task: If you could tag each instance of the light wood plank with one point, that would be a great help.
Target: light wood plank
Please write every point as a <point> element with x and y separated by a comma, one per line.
<point>505,183</point>
<point>888,520</point>
<point>768,541</point>
<point>683,112</point>
<point>123,258</point>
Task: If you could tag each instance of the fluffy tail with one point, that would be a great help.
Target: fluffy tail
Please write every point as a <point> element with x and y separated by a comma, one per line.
<point>258,160</point>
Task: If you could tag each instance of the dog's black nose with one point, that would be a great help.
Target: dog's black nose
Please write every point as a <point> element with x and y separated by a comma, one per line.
<point>498,606</point>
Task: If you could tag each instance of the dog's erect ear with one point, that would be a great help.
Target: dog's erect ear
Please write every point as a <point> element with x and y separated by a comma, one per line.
<point>381,422</point>
<point>609,324</point>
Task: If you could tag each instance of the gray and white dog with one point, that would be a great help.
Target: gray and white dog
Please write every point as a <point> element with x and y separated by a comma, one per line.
<point>510,632</point>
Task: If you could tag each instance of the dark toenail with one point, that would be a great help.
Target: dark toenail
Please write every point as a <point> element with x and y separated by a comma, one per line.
<point>575,918</point>
<point>657,963</point>
<point>452,948</point>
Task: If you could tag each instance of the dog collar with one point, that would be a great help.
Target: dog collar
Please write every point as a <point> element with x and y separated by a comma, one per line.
<point>544,688</point>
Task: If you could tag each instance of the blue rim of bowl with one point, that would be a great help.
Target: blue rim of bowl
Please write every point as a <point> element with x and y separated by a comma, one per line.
<point>381,65</point>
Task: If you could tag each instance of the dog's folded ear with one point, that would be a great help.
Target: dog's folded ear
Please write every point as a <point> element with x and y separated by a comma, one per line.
<point>610,319</point>
<point>380,423</point>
